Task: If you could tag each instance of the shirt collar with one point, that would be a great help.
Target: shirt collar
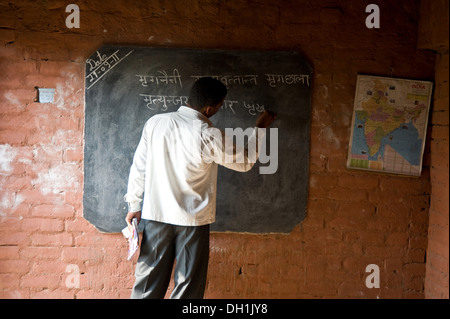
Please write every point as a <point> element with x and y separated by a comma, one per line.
<point>190,112</point>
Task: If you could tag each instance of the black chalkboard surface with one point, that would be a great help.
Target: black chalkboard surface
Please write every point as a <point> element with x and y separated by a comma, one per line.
<point>125,86</point>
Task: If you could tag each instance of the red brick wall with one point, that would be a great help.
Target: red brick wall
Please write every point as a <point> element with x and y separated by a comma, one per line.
<point>353,218</point>
<point>434,35</point>
<point>438,232</point>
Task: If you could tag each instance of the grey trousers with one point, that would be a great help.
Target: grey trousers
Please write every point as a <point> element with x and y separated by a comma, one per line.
<point>161,245</point>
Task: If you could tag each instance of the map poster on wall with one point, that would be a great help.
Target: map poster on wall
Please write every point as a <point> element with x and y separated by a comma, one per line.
<point>389,125</point>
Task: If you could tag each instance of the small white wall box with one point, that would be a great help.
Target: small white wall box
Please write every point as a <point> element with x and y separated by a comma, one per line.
<point>45,95</point>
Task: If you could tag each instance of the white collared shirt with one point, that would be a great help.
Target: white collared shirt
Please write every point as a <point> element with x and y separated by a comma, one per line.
<point>174,170</point>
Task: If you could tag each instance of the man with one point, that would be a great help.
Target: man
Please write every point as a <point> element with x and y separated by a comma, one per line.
<point>174,173</point>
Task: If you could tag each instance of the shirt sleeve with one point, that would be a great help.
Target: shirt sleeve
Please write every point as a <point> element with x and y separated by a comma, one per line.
<point>136,179</point>
<point>235,156</point>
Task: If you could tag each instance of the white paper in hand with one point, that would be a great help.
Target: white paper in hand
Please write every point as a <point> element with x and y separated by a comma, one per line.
<point>133,238</point>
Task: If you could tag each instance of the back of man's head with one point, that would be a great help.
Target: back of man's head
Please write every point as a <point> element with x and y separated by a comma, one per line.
<point>206,91</point>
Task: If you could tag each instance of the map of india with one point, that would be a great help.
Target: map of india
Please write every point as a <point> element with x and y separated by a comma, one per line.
<point>389,125</point>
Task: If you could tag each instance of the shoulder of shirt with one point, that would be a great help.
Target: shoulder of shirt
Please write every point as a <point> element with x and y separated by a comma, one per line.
<point>173,115</point>
<point>160,116</point>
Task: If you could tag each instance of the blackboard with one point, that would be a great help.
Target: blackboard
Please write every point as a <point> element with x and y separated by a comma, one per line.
<point>125,86</point>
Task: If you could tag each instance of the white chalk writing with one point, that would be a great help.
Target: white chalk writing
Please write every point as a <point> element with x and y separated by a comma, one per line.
<point>230,80</point>
<point>229,105</point>
<point>252,108</point>
<point>175,78</point>
<point>287,79</point>
<point>101,65</point>
<point>157,102</point>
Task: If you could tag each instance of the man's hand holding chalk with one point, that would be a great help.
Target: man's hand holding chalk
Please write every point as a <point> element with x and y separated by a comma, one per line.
<point>265,119</point>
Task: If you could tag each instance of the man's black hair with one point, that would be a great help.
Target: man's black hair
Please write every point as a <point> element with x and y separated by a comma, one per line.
<point>206,91</point>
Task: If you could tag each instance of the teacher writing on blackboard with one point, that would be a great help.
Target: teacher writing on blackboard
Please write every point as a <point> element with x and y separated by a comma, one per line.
<point>174,177</point>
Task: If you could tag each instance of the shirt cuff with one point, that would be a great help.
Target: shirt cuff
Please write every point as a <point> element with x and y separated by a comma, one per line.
<point>134,207</point>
